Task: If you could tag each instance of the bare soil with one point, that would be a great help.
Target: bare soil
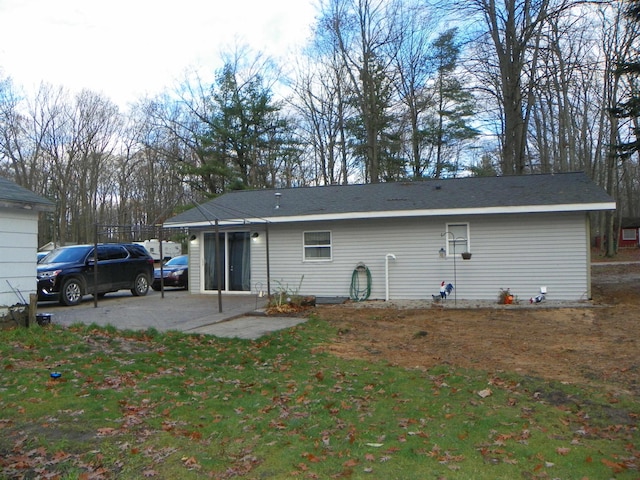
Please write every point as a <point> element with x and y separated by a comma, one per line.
<point>596,344</point>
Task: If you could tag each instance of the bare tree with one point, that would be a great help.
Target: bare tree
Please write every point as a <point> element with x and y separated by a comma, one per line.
<point>567,75</point>
<point>75,138</point>
<point>619,38</point>
<point>513,28</point>
<point>322,104</point>
<point>96,125</point>
<point>156,145</point>
<point>413,71</point>
<point>22,135</point>
<point>362,31</point>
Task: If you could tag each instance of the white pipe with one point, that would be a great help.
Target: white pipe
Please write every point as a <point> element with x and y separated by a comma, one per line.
<point>386,274</point>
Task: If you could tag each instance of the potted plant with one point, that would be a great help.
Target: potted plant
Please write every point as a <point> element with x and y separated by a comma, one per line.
<point>505,297</point>
<point>466,255</point>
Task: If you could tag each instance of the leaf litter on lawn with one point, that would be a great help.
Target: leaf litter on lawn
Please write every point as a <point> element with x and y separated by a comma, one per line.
<point>144,404</point>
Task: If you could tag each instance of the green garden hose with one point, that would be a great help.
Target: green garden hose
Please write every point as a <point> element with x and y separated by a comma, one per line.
<point>358,293</point>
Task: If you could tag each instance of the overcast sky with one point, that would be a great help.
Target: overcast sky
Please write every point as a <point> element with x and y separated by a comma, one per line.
<point>128,48</point>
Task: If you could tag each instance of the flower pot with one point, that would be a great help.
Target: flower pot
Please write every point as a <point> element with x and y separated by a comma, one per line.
<point>466,255</point>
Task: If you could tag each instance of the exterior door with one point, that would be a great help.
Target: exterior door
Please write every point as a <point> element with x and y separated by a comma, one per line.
<point>239,249</point>
<point>235,261</point>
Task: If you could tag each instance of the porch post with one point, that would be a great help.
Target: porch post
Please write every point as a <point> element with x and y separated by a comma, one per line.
<point>218,267</point>
<point>266,234</point>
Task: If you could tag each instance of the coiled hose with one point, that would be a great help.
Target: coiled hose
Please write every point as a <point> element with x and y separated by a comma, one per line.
<point>358,292</point>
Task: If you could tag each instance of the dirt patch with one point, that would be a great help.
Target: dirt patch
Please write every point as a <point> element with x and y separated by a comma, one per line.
<point>596,344</point>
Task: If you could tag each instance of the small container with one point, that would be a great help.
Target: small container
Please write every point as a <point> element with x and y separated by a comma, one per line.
<point>43,318</point>
<point>56,375</point>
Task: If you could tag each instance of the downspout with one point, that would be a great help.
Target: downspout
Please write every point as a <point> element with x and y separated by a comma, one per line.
<point>386,274</point>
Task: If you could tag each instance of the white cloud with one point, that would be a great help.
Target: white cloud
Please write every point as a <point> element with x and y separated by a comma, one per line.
<point>126,48</point>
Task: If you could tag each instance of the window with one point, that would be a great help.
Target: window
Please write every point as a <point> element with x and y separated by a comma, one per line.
<point>317,246</point>
<point>111,252</point>
<point>457,238</point>
<point>628,234</point>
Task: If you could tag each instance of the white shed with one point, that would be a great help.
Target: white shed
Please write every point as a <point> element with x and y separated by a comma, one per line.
<point>19,210</point>
<point>522,233</point>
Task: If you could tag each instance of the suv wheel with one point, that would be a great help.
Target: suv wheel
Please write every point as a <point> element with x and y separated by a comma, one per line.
<point>71,292</point>
<point>141,285</point>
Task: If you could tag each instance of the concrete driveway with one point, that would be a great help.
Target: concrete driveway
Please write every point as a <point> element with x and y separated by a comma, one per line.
<point>241,315</point>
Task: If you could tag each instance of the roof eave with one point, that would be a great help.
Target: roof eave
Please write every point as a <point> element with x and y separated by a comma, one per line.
<point>38,207</point>
<point>578,207</point>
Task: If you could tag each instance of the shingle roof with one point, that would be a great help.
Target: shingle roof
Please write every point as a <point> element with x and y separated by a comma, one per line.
<point>557,192</point>
<point>630,222</point>
<point>13,195</point>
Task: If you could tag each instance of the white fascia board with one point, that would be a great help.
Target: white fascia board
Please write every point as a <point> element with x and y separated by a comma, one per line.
<point>581,207</point>
<point>37,207</point>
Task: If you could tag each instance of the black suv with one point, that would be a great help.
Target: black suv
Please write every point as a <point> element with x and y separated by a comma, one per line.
<point>67,273</point>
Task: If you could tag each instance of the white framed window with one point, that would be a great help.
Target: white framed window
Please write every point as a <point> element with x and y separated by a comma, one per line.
<point>317,246</point>
<point>629,234</point>
<point>457,238</point>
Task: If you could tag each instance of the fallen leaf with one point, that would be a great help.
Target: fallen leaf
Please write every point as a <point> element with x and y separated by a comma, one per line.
<point>352,462</point>
<point>615,466</point>
<point>191,463</point>
<point>485,393</point>
<point>311,457</point>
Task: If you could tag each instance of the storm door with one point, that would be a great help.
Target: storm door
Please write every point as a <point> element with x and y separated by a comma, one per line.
<point>235,258</point>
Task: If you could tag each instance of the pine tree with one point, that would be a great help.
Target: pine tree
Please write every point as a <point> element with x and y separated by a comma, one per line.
<point>448,126</point>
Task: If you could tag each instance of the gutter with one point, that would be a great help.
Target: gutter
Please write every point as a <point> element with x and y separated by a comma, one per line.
<point>518,209</point>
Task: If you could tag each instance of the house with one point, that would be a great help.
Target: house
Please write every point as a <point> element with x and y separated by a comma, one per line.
<point>400,240</point>
<point>19,210</point>
<point>628,233</point>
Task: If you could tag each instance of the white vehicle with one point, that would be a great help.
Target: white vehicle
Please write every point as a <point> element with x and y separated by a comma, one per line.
<point>169,249</point>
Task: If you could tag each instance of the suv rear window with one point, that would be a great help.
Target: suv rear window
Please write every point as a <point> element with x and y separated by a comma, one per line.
<point>111,252</point>
<point>137,251</point>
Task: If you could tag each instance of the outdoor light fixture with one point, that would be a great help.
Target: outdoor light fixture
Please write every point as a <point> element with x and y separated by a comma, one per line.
<point>255,235</point>
<point>192,237</point>
<point>442,253</point>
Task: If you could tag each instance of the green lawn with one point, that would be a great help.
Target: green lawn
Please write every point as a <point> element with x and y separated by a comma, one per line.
<point>150,405</point>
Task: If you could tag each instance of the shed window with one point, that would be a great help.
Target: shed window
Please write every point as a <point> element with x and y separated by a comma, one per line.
<point>629,234</point>
<point>317,246</point>
<point>457,238</point>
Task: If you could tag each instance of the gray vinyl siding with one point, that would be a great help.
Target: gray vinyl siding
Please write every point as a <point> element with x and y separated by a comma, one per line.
<point>519,252</point>
<point>195,264</point>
